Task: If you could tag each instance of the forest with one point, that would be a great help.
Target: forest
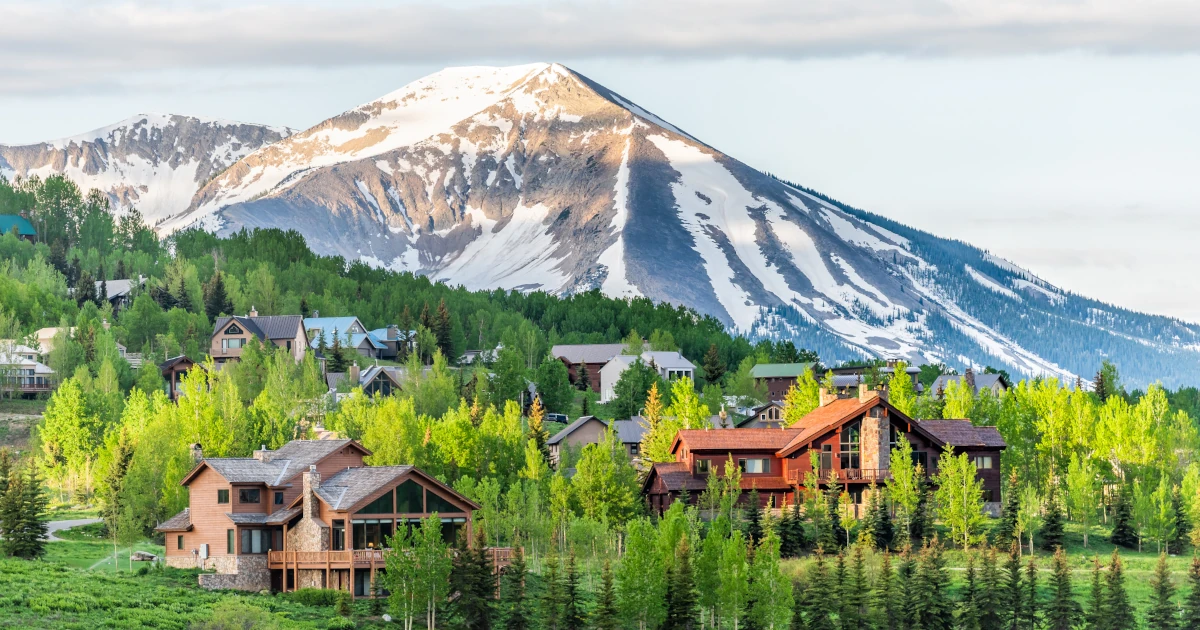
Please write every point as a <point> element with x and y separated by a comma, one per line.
<point>1103,485</point>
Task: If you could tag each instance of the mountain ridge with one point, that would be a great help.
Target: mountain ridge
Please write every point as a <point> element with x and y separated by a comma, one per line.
<point>546,180</point>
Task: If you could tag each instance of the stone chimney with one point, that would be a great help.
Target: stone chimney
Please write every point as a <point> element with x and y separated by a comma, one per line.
<point>393,332</point>
<point>197,452</point>
<point>311,481</point>
<point>316,314</point>
<point>825,396</point>
<point>969,377</point>
<point>262,454</point>
<point>865,393</point>
<point>354,374</point>
<point>876,439</point>
<point>253,312</point>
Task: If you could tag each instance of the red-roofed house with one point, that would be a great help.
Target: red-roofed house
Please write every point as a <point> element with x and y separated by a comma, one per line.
<point>853,439</point>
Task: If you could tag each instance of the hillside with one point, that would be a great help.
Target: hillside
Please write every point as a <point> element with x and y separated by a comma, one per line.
<point>536,178</point>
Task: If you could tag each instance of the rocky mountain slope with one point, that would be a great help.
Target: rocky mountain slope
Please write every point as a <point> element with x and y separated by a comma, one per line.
<point>155,162</point>
<point>534,177</point>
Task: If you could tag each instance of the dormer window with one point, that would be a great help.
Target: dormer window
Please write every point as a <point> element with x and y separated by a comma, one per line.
<point>233,330</point>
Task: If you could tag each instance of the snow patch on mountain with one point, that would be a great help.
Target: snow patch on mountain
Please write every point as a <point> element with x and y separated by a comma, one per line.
<point>990,284</point>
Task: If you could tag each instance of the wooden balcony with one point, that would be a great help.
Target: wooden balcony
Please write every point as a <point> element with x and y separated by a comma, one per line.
<point>358,558</point>
<point>857,475</point>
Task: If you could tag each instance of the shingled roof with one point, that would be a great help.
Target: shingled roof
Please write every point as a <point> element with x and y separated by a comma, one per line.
<point>587,352</point>
<point>345,489</point>
<point>181,522</point>
<point>733,439</point>
<point>275,467</point>
<point>677,478</point>
<point>264,326</point>
<point>963,434</point>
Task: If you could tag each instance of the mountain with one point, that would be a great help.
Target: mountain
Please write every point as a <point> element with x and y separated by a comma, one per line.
<point>537,178</point>
<point>155,162</point>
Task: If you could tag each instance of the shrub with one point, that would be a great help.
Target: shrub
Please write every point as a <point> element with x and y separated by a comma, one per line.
<point>315,596</point>
<point>341,623</point>
<point>343,603</point>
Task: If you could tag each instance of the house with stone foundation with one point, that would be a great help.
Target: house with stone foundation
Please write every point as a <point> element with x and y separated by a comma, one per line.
<point>309,514</point>
<point>852,437</point>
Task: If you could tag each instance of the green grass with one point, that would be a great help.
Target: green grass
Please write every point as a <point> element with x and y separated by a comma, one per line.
<point>71,512</point>
<point>30,406</point>
<point>43,594</point>
<point>96,554</point>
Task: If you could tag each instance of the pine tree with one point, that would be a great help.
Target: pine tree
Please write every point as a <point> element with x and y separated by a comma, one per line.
<point>821,596</point>
<point>1123,533</point>
<point>85,288</point>
<point>883,598</point>
<point>867,524</point>
<point>102,292</point>
<point>1007,531</point>
<point>1163,614</point>
<point>1051,532</point>
<point>934,610</point>
<point>552,597</point>
<point>6,465</point>
<point>1013,593</point>
<point>855,591</point>
<point>714,367</point>
<point>471,576</point>
<point>798,607</point>
<point>1094,615</point>
<point>572,612</point>
<point>1117,611</point>
<point>1031,607</point>
<point>682,611</point>
<point>513,603</point>
<point>442,329</point>
<point>582,380</point>
<point>216,301</point>
<point>753,517</point>
<point>919,522</point>
<point>22,514</point>
<point>783,527</point>
<point>336,361</point>
<point>182,299</point>
<point>425,320</point>
<point>884,530</point>
<point>604,617</point>
<point>991,600</point>
<point>910,593</point>
<point>1062,612</point>
<point>796,534</point>
<point>1191,604</point>
<point>1183,522</point>
<point>968,603</point>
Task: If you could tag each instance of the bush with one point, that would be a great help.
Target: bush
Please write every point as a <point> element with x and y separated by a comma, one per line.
<point>341,623</point>
<point>315,596</point>
<point>343,603</point>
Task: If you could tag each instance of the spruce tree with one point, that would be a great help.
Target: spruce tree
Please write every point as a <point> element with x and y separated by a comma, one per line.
<point>714,367</point>
<point>934,610</point>
<point>216,301</point>
<point>884,530</point>
<point>1051,531</point>
<point>1183,522</point>
<point>336,361</point>
<point>513,604</point>
<point>442,329</point>
<point>85,288</point>
<point>1031,606</point>
<point>991,601</point>
<point>909,595</point>
<point>1163,615</point>
<point>22,515</point>
<point>867,524</point>
<point>752,515</point>
<point>572,614</point>
<point>1006,532</point>
<point>1117,611</point>
<point>919,522</point>
<point>968,602</point>
<point>604,617</point>
<point>1013,593</point>
<point>783,527</point>
<point>1062,612</point>
<point>1191,604</point>
<point>6,462</point>
<point>182,298</point>
<point>552,597</point>
<point>537,428</point>
<point>821,597</point>
<point>471,576</point>
<point>1123,533</point>
<point>798,607</point>
<point>855,591</point>
<point>883,598</point>
<point>1094,615</point>
<point>582,380</point>
<point>682,609</point>
<point>799,539</point>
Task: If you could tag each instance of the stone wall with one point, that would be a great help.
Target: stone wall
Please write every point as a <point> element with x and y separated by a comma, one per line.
<point>310,578</point>
<point>876,438</point>
<point>309,534</point>
<point>220,564</point>
<point>250,573</point>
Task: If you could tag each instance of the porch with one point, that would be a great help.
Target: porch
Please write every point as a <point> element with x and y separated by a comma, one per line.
<point>853,475</point>
<point>361,565</point>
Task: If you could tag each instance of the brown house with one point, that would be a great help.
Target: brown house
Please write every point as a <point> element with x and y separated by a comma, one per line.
<point>853,439</point>
<point>309,514</point>
<point>778,378</point>
<point>231,334</point>
<point>172,371</point>
<point>592,356</point>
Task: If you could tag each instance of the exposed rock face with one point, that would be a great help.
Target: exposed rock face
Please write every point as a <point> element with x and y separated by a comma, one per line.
<point>536,178</point>
<point>155,162</point>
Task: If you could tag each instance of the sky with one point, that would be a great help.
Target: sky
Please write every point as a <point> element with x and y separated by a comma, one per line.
<point>1060,134</point>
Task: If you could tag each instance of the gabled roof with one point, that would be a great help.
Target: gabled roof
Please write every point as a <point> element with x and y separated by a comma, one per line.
<point>264,326</point>
<point>733,439</point>
<point>587,352</point>
<point>341,325</point>
<point>277,466</point>
<point>963,434</point>
<point>629,431</point>
<point>119,287</point>
<point>570,428</point>
<point>780,370</point>
<point>174,361</point>
<point>825,418</point>
<point>348,489</point>
<point>24,227</point>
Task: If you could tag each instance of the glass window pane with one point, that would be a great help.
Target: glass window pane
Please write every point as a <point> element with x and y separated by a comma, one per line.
<point>408,498</point>
<point>382,505</point>
<point>434,503</point>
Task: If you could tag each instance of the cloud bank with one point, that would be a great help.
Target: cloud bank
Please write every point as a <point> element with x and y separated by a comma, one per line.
<point>48,45</point>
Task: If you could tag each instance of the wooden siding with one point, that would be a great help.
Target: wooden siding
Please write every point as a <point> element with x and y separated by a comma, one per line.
<point>209,522</point>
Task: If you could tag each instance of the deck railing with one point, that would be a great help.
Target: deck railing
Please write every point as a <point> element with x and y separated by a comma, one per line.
<point>796,477</point>
<point>500,556</point>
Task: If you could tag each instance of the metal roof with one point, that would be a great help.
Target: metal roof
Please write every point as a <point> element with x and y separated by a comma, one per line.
<point>263,326</point>
<point>780,370</point>
<point>587,352</point>
<point>24,227</point>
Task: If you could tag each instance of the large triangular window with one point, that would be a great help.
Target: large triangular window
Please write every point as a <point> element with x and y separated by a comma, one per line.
<point>233,330</point>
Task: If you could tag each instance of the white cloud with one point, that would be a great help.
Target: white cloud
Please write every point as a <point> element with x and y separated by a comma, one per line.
<point>60,45</point>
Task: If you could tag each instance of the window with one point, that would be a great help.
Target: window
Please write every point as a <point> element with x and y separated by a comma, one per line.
<point>894,438</point>
<point>703,466</point>
<point>856,494</point>
<point>408,498</point>
<point>233,330</point>
<point>339,535</point>
<point>983,462</point>
<point>989,496</point>
<point>633,449</point>
<point>921,458</point>
<point>371,533</point>
<point>826,457</point>
<point>222,496</point>
<point>382,505</point>
<point>278,498</point>
<point>229,542</point>
<point>849,450</point>
<point>233,343</point>
<point>256,541</point>
<point>434,503</point>
<point>755,465</point>
<point>248,495</point>
<point>179,541</point>
<point>289,344</point>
